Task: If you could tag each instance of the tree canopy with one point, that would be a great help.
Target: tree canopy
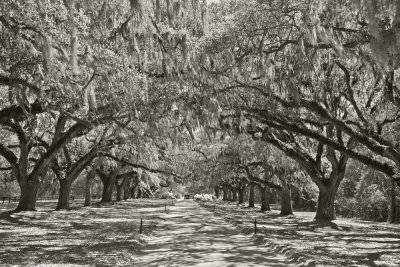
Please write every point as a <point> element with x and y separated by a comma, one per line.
<point>283,95</point>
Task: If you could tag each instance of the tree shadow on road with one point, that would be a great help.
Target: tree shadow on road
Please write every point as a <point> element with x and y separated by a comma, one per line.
<point>342,242</point>
<point>193,236</point>
<point>96,236</point>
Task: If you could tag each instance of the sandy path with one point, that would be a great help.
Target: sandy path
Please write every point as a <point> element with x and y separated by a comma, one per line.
<point>192,236</point>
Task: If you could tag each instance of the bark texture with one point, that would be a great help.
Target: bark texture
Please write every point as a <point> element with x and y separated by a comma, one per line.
<point>264,192</point>
<point>286,199</point>
<point>241,195</point>
<point>64,195</point>
<point>27,201</point>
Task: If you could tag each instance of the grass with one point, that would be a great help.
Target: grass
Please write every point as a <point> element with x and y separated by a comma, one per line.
<point>343,242</point>
<point>106,234</point>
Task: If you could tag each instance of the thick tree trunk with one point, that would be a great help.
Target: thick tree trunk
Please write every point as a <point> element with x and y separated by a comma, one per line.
<point>264,198</point>
<point>139,193</point>
<point>108,187</point>
<point>286,199</point>
<point>63,195</point>
<point>328,191</point>
<point>326,204</point>
<point>27,200</point>
<point>225,194</point>
<point>241,195</point>
<point>251,196</point>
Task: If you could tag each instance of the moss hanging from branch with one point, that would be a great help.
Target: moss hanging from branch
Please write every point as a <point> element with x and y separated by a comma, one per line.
<point>47,51</point>
<point>169,13</point>
<point>204,17</point>
<point>157,10</point>
<point>89,96</point>
<point>386,40</point>
<point>92,99</point>
<point>74,52</point>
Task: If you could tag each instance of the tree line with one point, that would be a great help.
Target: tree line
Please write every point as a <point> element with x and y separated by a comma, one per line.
<point>121,86</point>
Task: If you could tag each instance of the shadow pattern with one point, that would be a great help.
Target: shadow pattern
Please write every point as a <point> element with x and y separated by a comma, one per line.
<point>343,242</point>
<point>192,236</point>
<point>104,235</point>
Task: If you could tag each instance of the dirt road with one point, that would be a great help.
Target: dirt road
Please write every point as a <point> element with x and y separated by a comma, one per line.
<point>191,236</point>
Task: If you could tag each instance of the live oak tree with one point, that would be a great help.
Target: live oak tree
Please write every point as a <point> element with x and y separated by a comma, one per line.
<point>76,157</point>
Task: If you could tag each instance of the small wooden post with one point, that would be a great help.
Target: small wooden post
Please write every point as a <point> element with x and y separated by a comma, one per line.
<point>141,226</point>
<point>255,226</point>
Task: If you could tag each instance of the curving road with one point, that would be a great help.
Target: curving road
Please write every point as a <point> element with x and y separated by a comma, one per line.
<point>191,236</point>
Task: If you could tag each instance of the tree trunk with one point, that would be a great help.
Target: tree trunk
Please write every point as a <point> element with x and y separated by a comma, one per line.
<point>88,189</point>
<point>328,191</point>
<point>122,189</point>
<point>286,199</point>
<point>251,196</point>
<point>241,195</point>
<point>27,200</point>
<point>108,187</point>
<point>216,189</point>
<point>139,193</point>
<point>119,190</point>
<point>326,204</point>
<point>126,190</point>
<point>264,198</point>
<point>88,192</point>
<point>225,194</point>
<point>63,195</point>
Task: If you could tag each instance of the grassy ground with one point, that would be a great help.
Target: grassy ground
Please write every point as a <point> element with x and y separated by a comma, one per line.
<point>344,242</point>
<point>97,235</point>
